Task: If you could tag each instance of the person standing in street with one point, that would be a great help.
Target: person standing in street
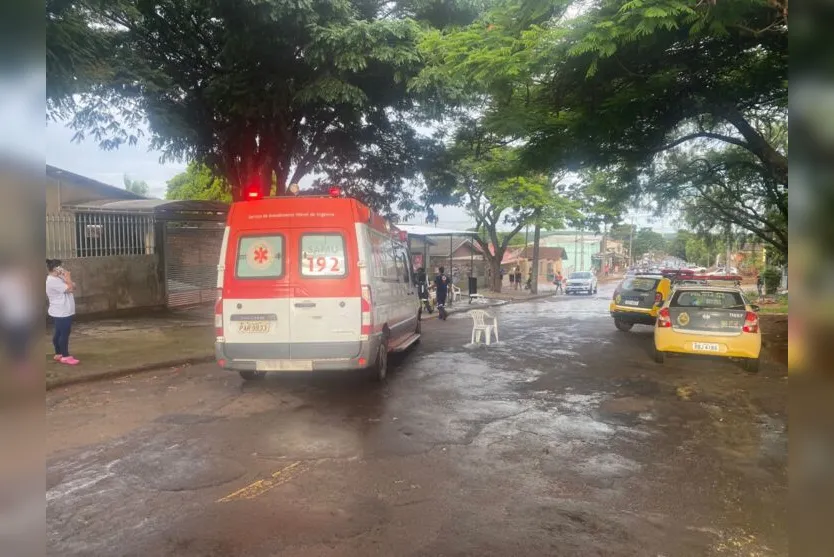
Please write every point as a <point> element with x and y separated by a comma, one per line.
<point>441,285</point>
<point>517,278</point>
<point>558,282</point>
<point>423,289</point>
<point>59,292</point>
<point>759,284</point>
<point>512,279</point>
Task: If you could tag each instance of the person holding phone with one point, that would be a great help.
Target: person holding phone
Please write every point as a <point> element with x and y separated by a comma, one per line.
<point>59,292</point>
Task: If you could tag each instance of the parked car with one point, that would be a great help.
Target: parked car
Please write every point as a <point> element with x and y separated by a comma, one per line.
<point>711,321</point>
<point>638,299</point>
<point>581,282</point>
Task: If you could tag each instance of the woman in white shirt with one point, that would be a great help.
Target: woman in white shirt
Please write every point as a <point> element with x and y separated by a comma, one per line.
<point>59,289</point>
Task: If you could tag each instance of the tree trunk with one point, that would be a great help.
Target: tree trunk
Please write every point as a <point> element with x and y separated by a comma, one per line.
<point>774,161</point>
<point>495,266</point>
<point>534,283</point>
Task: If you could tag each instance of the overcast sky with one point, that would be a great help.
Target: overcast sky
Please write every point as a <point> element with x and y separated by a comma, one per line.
<point>138,163</point>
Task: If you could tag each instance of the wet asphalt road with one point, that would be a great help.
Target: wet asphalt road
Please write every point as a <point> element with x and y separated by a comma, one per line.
<point>563,439</point>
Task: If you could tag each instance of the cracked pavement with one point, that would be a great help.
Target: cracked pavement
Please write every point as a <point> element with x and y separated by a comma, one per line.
<point>563,439</point>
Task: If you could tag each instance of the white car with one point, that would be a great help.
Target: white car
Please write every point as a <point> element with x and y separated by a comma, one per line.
<point>581,282</point>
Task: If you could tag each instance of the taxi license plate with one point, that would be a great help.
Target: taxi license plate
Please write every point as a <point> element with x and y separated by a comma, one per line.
<point>705,347</point>
<point>284,365</point>
<point>631,302</point>
<point>254,327</point>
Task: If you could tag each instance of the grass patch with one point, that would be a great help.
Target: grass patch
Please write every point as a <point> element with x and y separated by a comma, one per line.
<point>774,304</point>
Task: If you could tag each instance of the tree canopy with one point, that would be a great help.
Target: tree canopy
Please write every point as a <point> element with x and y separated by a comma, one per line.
<point>198,182</point>
<point>475,169</point>
<point>256,89</point>
<point>680,102</point>
<point>623,80</point>
<point>139,187</point>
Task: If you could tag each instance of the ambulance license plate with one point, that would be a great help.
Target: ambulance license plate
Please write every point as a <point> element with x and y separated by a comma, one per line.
<point>284,365</point>
<point>705,347</point>
<point>254,327</point>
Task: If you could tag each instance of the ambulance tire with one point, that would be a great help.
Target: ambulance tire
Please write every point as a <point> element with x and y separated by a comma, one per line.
<point>252,375</point>
<point>379,371</point>
<point>752,364</point>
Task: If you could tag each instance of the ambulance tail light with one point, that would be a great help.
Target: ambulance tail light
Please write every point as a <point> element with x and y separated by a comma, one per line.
<point>664,320</point>
<point>218,314</point>
<point>367,313</point>
<point>751,323</point>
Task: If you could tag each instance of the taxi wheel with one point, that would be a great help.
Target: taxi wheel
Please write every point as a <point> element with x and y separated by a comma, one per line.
<point>659,357</point>
<point>252,375</point>
<point>751,364</point>
<point>623,325</point>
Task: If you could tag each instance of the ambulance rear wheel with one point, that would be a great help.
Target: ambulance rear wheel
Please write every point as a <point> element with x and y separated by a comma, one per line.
<point>252,375</point>
<point>379,371</point>
<point>751,364</point>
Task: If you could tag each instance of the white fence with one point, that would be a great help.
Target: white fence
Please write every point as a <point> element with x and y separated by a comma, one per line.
<point>74,235</point>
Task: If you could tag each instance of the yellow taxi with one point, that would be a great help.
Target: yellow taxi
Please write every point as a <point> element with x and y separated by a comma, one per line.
<point>637,299</point>
<point>709,320</point>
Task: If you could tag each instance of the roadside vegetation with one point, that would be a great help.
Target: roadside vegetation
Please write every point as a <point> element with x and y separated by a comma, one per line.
<point>540,113</point>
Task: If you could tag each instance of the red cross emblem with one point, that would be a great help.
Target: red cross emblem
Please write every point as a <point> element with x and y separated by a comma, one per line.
<point>260,255</point>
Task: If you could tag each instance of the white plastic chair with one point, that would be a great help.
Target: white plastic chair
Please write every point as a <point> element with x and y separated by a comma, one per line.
<point>455,293</point>
<point>479,325</point>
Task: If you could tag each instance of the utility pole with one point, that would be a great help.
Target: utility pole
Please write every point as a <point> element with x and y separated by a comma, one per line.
<point>631,244</point>
<point>603,248</point>
<point>582,247</point>
<point>729,250</point>
<point>534,283</point>
<point>575,249</point>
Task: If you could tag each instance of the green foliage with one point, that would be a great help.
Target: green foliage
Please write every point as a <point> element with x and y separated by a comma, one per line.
<point>622,232</point>
<point>139,187</point>
<point>620,83</point>
<point>484,175</point>
<point>697,251</point>
<point>259,89</point>
<point>772,280</point>
<point>198,182</point>
<point>677,246</point>
<point>647,240</point>
<point>724,188</point>
<point>76,54</point>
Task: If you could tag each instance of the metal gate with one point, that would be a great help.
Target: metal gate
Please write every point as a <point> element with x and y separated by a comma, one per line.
<point>192,251</point>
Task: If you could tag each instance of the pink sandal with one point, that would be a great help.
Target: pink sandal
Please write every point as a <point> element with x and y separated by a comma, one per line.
<point>57,357</point>
<point>70,361</point>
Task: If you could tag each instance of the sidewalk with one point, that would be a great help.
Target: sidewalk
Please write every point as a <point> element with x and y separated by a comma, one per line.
<point>114,347</point>
<point>118,347</point>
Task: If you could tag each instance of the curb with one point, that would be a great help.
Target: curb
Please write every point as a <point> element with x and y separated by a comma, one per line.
<point>470,307</point>
<point>114,373</point>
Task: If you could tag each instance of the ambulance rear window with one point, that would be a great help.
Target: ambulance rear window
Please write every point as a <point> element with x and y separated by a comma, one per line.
<point>260,257</point>
<point>323,255</point>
